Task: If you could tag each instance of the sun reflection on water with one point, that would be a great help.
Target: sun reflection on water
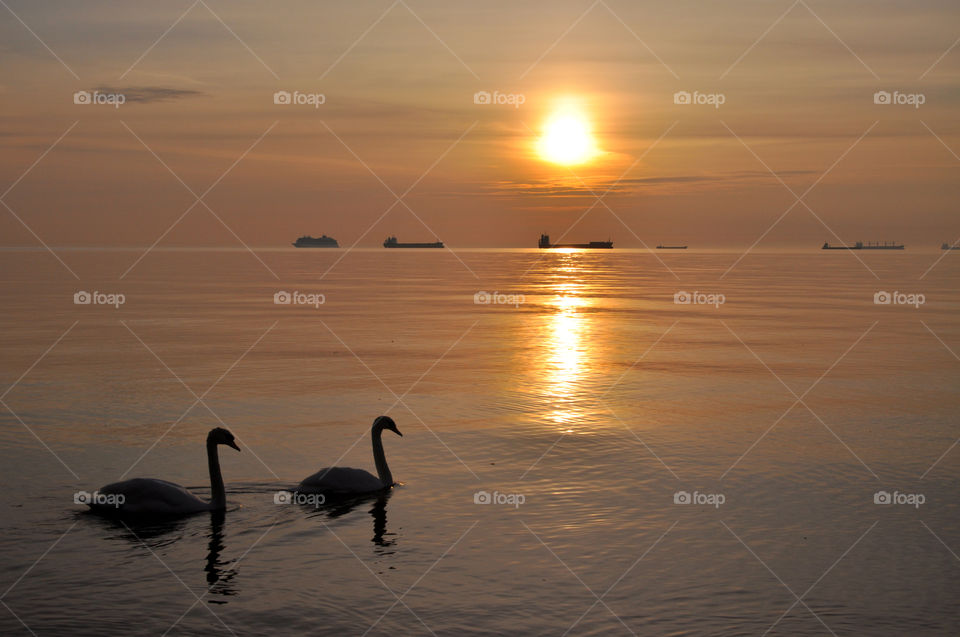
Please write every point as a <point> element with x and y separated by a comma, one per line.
<point>568,357</point>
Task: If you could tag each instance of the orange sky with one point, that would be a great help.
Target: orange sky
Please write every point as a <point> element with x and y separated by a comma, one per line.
<point>398,80</point>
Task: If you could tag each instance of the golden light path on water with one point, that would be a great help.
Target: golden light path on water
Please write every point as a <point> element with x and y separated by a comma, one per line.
<point>568,357</point>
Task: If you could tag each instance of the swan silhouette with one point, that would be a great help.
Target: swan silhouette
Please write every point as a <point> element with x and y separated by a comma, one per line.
<point>150,496</point>
<point>344,481</point>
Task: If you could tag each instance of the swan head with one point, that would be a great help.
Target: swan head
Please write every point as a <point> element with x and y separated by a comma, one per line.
<point>386,422</point>
<point>220,436</point>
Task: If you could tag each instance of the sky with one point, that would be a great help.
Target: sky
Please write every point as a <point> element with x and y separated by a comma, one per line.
<point>797,153</point>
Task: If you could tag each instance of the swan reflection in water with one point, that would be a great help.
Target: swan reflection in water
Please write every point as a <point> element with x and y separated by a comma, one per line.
<point>157,533</point>
<point>381,536</point>
<point>219,575</point>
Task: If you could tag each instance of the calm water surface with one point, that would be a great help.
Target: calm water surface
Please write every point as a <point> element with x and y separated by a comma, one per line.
<point>589,406</point>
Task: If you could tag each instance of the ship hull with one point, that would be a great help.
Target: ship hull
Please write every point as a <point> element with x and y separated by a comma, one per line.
<point>414,245</point>
<point>315,245</point>
<point>596,245</point>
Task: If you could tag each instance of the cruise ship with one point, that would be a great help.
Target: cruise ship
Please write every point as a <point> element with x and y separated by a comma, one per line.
<point>307,241</point>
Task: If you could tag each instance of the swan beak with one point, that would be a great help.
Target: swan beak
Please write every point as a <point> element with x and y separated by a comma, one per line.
<point>234,445</point>
<point>397,431</point>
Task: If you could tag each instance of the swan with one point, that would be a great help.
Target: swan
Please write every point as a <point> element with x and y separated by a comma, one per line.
<point>149,496</point>
<point>346,481</point>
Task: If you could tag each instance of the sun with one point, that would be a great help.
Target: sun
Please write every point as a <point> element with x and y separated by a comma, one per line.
<point>567,139</point>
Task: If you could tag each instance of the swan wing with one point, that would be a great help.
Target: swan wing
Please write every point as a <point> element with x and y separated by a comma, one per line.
<point>149,496</point>
<point>341,480</point>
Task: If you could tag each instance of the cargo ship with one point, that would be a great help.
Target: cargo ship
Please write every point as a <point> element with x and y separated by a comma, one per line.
<point>593,245</point>
<point>663,247</point>
<point>307,241</point>
<point>391,242</point>
<point>860,245</point>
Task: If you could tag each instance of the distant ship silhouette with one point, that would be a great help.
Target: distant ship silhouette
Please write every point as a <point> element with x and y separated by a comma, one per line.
<point>307,241</point>
<point>860,245</point>
<point>391,242</point>
<point>593,245</point>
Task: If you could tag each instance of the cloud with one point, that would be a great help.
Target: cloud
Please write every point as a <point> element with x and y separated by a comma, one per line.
<point>546,188</point>
<point>149,94</point>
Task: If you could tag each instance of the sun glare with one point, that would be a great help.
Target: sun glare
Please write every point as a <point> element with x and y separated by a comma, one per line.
<point>567,139</point>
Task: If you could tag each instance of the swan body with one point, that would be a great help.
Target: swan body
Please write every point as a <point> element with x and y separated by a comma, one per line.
<point>345,481</point>
<point>150,496</point>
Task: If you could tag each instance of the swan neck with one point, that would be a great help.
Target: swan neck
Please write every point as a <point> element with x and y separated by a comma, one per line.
<point>383,471</point>
<point>218,496</point>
